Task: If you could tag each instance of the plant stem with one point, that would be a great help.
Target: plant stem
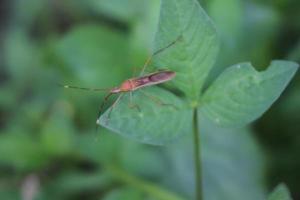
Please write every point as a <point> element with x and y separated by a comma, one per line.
<point>147,187</point>
<point>197,157</point>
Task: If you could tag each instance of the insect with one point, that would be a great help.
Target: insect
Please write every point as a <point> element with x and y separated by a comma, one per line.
<point>134,83</point>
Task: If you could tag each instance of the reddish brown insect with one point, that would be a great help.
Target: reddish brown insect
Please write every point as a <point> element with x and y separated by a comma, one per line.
<point>144,81</point>
<point>135,83</point>
<point>131,85</point>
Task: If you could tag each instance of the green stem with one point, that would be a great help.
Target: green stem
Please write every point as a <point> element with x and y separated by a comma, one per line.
<point>142,185</point>
<point>197,157</point>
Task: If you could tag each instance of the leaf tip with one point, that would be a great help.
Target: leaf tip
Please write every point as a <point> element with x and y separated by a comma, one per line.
<point>281,192</point>
<point>289,65</point>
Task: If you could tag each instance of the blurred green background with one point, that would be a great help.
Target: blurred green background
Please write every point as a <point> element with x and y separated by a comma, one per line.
<point>48,145</point>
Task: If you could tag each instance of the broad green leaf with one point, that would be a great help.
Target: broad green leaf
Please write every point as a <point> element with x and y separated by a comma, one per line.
<point>241,94</point>
<point>149,121</point>
<point>281,192</point>
<point>295,53</point>
<point>142,160</point>
<point>57,135</point>
<point>21,151</point>
<point>11,193</point>
<point>194,54</point>
<point>27,13</point>
<point>259,37</point>
<point>229,20</point>
<point>229,24</point>
<point>143,32</point>
<point>94,56</point>
<point>21,54</point>
<point>76,182</point>
<point>240,40</point>
<point>103,148</point>
<point>124,194</point>
<point>134,157</point>
<point>226,155</point>
<point>97,56</point>
<point>8,97</point>
<point>125,10</point>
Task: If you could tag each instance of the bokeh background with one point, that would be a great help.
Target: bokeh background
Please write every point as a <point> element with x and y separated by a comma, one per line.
<point>48,145</point>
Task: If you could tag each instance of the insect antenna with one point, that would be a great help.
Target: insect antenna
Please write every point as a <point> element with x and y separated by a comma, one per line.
<point>82,88</point>
<point>159,51</point>
<point>110,109</point>
<point>101,109</point>
<point>168,46</point>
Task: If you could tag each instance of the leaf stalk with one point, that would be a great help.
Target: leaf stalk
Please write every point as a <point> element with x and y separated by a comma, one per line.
<point>142,185</point>
<point>197,157</point>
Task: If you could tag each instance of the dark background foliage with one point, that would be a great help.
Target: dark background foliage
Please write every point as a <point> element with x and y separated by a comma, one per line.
<point>48,146</point>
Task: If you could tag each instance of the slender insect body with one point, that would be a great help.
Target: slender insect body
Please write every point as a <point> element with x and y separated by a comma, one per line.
<point>161,76</point>
<point>128,85</point>
<point>133,84</point>
<point>115,90</point>
<point>153,79</point>
<point>144,81</point>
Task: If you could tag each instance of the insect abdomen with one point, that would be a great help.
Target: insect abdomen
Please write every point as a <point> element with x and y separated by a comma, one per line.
<point>162,76</point>
<point>153,79</point>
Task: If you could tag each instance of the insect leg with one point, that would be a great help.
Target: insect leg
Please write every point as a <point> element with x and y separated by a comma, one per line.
<point>146,64</point>
<point>158,52</point>
<point>112,107</point>
<point>157,100</point>
<point>101,109</point>
<point>134,71</point>
<point>131,104</point>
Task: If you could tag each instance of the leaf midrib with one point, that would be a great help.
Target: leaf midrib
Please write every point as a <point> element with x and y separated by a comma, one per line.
<point>191,75</point>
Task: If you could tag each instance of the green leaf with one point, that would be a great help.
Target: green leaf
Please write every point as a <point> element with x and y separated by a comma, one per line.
<point>226,155</point>
<point>125,10</point>
<point>25,16</point>
<point>228,23</point>
<point>124,194</point>
<point>11,193</point>
<point>57,135</point>
<point>95,55</point>
<point>8,97</point>
<point>295,53</point>
<point>281,192</point>
<point>193,56</point>
<point>241,94</point>
<point>103,148</point>
<point>75,182</point>
<point>134,157</point>
<point>257,41</point>
<point>21,151</point>
<point>154,123</point>
<point>142,160</point>
<point>21,54</point>
<point>143,32</point>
